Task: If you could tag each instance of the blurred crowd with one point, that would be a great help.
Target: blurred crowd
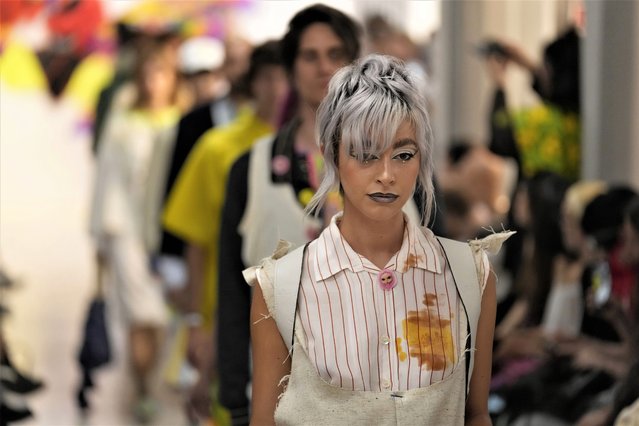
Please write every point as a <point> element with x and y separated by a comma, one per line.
<point>205,156</point>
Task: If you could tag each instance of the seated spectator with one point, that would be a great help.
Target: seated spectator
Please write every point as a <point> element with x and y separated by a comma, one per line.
<point>477,185</point>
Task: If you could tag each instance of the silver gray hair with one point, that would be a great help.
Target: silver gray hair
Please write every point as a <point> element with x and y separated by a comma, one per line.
<point>366,104</point>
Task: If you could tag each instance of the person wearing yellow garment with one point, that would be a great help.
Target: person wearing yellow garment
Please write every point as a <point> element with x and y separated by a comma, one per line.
<point>122,210</point>
<point>194,206</point>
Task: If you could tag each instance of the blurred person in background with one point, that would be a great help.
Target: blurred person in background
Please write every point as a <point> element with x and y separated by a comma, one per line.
<point>624,408</point>
<point>15,383</point>
<point>193,212</point>
<point>620,404</point>
<point>577,380</point>
<point>201,61</point>
<point>602,223</point>
<point>127,42</point>
<point>547,136</point>
<point>120,223</point>
<point>479,184</point>
<point>222,72</point>
<point>537,210</point>
<point>387,39</point>
<point>119,94</point>
<point>269,187</point>
<point>517,336</point>
<point>236,63</point>
<point>523,348</point>
<point>544,137</point>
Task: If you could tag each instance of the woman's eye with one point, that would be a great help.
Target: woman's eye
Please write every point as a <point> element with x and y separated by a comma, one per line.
<point>405,156</point>
<point>366,158</point>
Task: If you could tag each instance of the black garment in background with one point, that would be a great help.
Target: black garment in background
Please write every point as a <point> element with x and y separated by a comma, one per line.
<point>592,324</point>
<point>58,67</point>
<point>502,138</point>
<point>190,128</point>
<point>104,106</point>
<point>502,142</point>
<point>561,58</point>
<point>234,294</point>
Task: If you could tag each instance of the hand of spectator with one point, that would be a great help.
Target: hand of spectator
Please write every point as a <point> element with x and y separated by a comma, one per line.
<point>595,417</point>
<point>200,346</point>
<point>518,55</point>
<point>199,401</point>
<point>178,299</point>
<point>588,357</point>
<point>199,354</point>
<point>567,271</point>
<point>496,66</point>
<point>528,342</point>
<point>612,310</point>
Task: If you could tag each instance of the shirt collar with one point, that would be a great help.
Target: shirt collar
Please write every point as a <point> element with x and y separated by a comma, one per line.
<point>333,253</point>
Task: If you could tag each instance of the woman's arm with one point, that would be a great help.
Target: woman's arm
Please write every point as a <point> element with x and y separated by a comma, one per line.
<point>477,403</point>
<point>270,362</point>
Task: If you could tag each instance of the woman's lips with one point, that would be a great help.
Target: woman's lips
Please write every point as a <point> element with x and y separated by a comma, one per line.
<point>383,198</point>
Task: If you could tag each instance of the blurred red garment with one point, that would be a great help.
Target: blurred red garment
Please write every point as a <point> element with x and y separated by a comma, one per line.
<point>76,21</point>
<point>16,10</point>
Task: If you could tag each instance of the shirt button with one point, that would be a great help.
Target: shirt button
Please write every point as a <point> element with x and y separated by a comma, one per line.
<point>385,340</point>
<point>386,384</point>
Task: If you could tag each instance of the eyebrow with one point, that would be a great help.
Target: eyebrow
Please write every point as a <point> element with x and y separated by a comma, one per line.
<point>404,142</point>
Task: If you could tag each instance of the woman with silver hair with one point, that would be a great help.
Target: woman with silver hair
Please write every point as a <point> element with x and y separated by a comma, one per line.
<point>376,321</point>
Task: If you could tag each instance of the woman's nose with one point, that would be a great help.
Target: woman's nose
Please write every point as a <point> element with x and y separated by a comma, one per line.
<point>386,174</point>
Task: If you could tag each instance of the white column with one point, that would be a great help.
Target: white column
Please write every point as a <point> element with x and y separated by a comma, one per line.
<point>610,85</point>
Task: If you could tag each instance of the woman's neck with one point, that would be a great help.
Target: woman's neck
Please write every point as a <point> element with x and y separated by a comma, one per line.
<point>305,134</point>
<point>155,105</point>
<point>377,241</point>
<point>267,114</point>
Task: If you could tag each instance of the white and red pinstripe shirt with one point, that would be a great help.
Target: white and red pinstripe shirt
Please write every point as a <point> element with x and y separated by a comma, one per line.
<point>361,337</point>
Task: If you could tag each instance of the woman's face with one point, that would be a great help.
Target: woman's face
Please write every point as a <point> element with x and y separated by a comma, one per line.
<point>159,81</point>
<point>321,52</point>
<point>571,233</point>
<point>630,243</point>
<point>378,187</point>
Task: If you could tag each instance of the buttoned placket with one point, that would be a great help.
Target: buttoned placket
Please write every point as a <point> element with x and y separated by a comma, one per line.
<point>386,339</point>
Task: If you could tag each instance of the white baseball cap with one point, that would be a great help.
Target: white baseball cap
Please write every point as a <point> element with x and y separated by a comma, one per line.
<point>201,54</point>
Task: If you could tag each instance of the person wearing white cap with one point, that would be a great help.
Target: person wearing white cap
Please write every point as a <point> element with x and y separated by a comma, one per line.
<point>201,61</point>
<point>204,61</point>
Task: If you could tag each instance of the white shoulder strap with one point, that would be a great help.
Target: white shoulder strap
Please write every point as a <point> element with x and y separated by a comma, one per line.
<point>288,272</point>
<point>462,265</point>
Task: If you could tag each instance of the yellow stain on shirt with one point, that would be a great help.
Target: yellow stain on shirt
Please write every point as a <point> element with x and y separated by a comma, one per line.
<point>400,351</point>
<point>429,337</point>
<point>411,261</point>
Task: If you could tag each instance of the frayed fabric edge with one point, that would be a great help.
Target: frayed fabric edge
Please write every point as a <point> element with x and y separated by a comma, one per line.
<point>491,243</point>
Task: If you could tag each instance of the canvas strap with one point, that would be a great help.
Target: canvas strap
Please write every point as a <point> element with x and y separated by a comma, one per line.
<point>462,265</point>
<point>288,274</point>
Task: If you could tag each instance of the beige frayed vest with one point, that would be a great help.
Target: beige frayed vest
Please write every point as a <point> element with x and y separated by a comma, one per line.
<point>308,400</point>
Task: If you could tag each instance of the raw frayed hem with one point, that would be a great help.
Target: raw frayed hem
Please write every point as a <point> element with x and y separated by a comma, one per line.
<point>264,317</point>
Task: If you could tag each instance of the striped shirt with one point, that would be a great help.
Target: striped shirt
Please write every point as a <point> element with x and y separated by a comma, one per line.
<point>362,337</point>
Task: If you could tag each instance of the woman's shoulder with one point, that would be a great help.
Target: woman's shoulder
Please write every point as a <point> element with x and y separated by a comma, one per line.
<point>264,274</point>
